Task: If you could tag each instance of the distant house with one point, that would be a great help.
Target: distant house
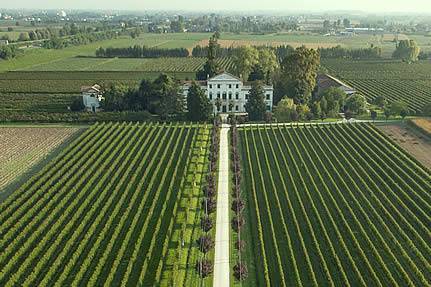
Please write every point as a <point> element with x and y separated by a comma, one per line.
<point>365,30</point>
<point>4,42</point>
<point>228,94</point>
<point>325,81</point>
<point>91,97</point>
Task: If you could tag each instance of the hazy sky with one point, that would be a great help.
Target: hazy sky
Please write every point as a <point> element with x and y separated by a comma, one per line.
<point>423,6</point>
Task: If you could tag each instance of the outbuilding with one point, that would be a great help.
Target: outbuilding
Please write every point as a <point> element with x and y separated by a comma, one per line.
<point>91,97</point>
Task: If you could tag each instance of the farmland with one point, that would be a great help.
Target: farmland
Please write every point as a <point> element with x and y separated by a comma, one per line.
<point>122,64</point>
<point>394,80</point>
<point>23,147</point>
<point>335,205</point>
<point>117,207</point>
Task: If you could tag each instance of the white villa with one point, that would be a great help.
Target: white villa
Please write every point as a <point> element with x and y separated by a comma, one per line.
<point>228,94</point>
<point>92,96</point>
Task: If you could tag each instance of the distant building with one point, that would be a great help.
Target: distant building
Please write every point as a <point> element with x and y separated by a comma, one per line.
<point>228,94</point>
<point>4,42</point>
<point>91,97</point>
<point>365,30</point>
<point>325,81</point>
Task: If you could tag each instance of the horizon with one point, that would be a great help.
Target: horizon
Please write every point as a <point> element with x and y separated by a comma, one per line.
<point>309,6</point>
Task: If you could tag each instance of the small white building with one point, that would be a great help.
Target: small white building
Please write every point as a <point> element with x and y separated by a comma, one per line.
<point>91,97</point>
<point>228,94</point>
<point>4,42</point>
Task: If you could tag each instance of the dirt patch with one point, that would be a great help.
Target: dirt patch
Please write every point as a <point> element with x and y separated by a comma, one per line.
<point>243,43</point>
<point>423,124</point>
<point>416,144</point>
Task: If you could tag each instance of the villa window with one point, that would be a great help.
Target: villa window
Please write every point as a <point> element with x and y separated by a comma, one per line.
<point>268,96</point>
<point>237,96</point>
<point>224,96</point>
<point>237,86</point>
<point>211,86</point>
<point>236,108</point>
<point>246,96</point>
<point>230,96</point>
<point>230,86</point>
<point>218,86</point>
<point>268,107</point>
<point>211,96</point>
<point>218,95</point>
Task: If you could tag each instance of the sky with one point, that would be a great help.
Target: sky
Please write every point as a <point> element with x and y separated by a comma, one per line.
<point>421,6</point>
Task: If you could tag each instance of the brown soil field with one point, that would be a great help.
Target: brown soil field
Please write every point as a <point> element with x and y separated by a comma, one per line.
<point>412,141</point>
<point>22,147</point>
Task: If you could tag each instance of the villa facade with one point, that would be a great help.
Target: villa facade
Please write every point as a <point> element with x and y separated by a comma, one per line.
<point>228,94</point>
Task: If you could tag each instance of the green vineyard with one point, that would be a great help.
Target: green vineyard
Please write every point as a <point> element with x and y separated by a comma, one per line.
<point>335,205</point>
<point>395,81</point>
<point>117,207</point>
<point>189,64</point>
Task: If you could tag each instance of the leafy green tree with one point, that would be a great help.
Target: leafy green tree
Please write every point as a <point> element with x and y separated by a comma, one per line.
<point>244,60</point>
<point>407,50</point>
<point>373,114</point>
<point>380,101</point>
<point>257,74</point>
<point>356,103</point>
<point>255,106</point>
<point>285,111</point>
<point>170,100</point>
<point>346,23</point>
<point>8,52</point>
<point>199,107</point>
<point>332,100</point>
<point>299,73</point>
<point>211,68</point>
<point>146,97</point>
<point>387,112</point>
<point>268,61</point>
<point>115,98</point>
<point>399,108</point>
<point>316,110</point>
<point>24,36</point>
<point>77,105</point>
<point>304,112</point>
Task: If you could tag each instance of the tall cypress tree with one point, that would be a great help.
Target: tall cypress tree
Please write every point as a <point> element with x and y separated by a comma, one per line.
<point>199,107</point>
<point>255,106</point>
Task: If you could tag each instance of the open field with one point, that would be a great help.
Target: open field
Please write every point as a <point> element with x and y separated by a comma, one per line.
<point>411,140</point>
<point>335,205</point>
<point>34,57</point>
<point>21,148</point>
<point>394,80</point>
<point>119,206</point>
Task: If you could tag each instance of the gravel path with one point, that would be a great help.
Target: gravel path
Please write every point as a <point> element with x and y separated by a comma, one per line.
<point>221,261</point>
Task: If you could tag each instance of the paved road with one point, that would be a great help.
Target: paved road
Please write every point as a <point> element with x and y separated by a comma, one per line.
<point>221,261</point>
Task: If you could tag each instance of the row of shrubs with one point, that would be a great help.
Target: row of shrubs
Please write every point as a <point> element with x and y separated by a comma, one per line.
<point>240,270</point>
<point>75,117</point>
<point>205,266</point>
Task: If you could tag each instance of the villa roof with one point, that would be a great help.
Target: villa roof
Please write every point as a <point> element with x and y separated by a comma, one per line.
<point>224,77</point>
